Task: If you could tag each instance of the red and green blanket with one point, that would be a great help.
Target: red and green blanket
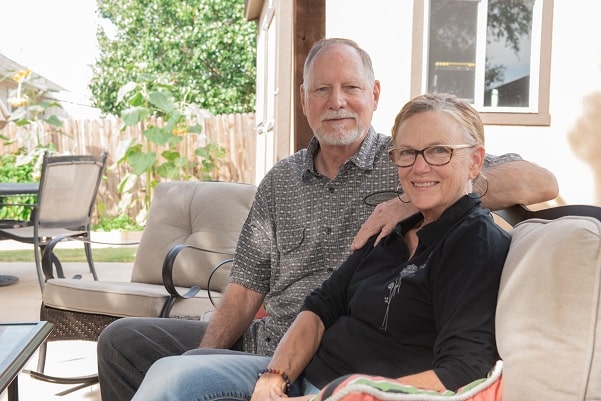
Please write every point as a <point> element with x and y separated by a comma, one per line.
<point>359,387</point>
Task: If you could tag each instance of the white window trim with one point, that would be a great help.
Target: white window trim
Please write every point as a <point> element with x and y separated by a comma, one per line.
<point>539,91</point>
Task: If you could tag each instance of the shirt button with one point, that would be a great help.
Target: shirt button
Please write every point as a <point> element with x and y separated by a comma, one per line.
<point>267,339</point>
<point>331,189</point>
<point>330,270</point>
<point>328,230</point>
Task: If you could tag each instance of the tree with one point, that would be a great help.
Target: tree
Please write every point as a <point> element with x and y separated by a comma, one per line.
<point>205,49</point>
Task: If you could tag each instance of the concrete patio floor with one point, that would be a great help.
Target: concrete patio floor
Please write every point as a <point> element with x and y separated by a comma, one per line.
<point>20,302</point>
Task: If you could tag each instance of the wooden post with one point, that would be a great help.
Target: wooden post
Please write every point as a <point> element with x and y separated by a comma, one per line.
<point>309,27</point>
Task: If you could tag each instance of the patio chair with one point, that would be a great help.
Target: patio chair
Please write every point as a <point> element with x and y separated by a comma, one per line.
<point>65,202</point>
<point>192,227</point>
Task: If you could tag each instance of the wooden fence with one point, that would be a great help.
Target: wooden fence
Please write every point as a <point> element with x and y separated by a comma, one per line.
<point>234,132</point>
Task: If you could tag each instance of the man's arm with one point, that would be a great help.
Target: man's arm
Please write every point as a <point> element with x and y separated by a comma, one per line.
<point>509,183</point>
<point>236,310</point>
<point>515,182</point>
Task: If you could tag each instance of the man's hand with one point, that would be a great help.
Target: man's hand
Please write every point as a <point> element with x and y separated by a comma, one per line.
<point>382,221</point>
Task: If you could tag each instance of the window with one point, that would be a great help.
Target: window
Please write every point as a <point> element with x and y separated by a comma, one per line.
<point>493,53</point>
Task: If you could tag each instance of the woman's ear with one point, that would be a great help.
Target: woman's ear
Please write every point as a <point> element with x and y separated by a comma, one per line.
<point>477,160</point>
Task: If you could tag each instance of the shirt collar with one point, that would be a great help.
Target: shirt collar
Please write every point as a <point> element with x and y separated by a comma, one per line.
<point>364,158</point>
<point>432,232</point>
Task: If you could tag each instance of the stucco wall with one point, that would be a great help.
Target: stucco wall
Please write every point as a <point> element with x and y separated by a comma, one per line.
<point>570,147</point>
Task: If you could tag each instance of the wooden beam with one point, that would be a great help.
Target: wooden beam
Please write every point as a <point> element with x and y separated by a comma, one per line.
<point>309,27</point>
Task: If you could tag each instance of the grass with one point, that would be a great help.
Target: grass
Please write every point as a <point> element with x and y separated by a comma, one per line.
<point>121,254</point>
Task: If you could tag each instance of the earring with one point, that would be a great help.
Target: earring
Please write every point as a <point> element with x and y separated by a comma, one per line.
<point>485,188</point>
<point>400,191</point>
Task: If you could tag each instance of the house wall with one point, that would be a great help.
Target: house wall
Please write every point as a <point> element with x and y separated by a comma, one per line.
<point>570,147</point>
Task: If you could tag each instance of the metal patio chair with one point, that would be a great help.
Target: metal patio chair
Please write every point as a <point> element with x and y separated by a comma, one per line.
<point>65,202</point>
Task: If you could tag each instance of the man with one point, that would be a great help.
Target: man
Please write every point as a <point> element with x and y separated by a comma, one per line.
<point>301,225</point>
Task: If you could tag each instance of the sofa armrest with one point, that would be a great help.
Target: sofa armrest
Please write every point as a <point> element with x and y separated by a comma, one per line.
<point>548,318</point>
<point>49,258</point>
<point>167,274</point>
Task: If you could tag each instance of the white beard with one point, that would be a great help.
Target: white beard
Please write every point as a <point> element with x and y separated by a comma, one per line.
<point>340,138</point>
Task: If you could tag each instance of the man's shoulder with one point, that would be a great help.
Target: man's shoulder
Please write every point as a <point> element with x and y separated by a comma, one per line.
<point>383,138</point>
<point>297,159</point>
<point>285,168</point>
<point>379,138</point>
<point>492,160</point>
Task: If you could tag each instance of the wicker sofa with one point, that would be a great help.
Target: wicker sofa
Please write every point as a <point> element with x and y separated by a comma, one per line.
<point>548,321</point>
<point>200,220</point>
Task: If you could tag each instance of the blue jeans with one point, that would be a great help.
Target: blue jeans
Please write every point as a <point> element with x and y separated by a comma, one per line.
<point>208,377</point>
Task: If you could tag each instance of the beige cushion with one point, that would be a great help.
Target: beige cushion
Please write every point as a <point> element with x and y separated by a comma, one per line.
<point>122,299</point>
<point>205,214</point>
<point>209,215</point>
<point>548,324</point>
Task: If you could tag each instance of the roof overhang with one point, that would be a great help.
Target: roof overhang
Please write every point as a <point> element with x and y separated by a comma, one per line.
<point>252,9</point>
<point>8,67</point>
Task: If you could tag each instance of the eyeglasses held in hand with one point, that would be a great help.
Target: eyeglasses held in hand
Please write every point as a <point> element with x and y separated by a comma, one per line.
<point>437,155</point>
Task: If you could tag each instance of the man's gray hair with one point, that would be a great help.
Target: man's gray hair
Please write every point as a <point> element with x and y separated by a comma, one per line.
<point>327,43</point>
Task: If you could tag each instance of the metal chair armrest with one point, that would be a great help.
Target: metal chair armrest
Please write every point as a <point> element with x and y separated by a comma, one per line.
<point>49,258</point>
<point>167,273</point>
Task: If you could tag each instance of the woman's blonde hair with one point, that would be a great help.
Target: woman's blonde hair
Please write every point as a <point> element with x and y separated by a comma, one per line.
<point>459,109</point>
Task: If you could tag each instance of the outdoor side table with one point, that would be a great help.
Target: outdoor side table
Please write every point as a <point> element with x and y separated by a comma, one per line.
<point>8,189</point>
<point>18,342</point>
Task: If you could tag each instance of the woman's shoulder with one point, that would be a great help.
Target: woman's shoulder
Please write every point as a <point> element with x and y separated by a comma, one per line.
<point>482,226</point>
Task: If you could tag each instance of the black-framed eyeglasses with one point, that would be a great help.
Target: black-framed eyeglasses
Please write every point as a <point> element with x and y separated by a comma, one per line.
<point>437,155</point>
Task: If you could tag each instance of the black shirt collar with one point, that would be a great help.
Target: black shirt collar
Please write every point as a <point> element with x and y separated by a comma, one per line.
<point>432,232</point>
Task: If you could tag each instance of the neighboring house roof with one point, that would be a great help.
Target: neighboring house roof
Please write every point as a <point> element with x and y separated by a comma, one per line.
<point>9,67</point>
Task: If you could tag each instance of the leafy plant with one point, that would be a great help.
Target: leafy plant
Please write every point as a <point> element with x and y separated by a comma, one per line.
<point>12,171</point>
<point>30,109</point>
<point>30,112</point>
<point>121,222</point>
<point>169,124</point>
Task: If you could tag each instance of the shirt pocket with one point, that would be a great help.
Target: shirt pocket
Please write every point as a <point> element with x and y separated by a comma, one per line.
<point>290,238</point>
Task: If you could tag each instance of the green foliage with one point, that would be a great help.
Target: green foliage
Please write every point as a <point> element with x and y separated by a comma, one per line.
<point>30,110</point>
<point>166,122</point>
<point>118,223</point>
<point>204,49</point>
<point>14,170</point>
<point>124,254</point>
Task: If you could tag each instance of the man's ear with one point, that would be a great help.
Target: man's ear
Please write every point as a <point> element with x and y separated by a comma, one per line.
<point>303,97</point>
<point>376,93</point>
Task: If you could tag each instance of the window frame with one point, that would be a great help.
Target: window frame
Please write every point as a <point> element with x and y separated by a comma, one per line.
<point>541,117</point>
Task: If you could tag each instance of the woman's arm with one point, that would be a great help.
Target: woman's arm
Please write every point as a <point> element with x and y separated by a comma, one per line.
<point>427,380</point>
<point>465,280</point>
<point>291,356</point>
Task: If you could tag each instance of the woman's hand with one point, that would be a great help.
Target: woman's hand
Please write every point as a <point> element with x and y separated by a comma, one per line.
<point>269,387</point>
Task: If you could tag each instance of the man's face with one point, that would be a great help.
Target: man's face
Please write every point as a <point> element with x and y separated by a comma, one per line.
<point>337,98</point>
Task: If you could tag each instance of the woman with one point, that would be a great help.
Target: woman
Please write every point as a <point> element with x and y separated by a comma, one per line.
<point>419,306</point>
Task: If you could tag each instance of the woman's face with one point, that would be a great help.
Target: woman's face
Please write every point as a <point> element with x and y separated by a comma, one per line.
<point>432,189</point>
